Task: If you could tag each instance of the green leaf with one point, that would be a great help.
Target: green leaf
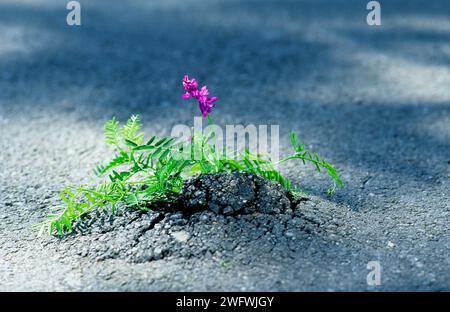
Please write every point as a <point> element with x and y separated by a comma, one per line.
<point>155,153</point>
<point>144,148</point>
<point>58,227</point>
<point>118,160</point>
<point>130,143</point>
<point>111,131</point>
<point>294,139</point>
<point>63,197</point>
<point>130,131</point>
<point>149,142</point>
<point>67,223</point>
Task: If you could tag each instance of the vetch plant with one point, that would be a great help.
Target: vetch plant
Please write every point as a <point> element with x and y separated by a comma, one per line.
<point>145,172</point>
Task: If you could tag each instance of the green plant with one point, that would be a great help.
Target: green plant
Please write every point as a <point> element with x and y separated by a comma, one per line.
<point>146,172</point>
<point>154,171</point>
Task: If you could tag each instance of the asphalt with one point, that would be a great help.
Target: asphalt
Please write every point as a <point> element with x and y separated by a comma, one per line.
<point>374,101</point>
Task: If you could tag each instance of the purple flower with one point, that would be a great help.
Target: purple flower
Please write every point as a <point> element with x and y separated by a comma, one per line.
<point>205,103</point>
<point>189,85</point>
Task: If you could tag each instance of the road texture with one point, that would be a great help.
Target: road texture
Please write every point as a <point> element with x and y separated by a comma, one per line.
<point>374,101</point>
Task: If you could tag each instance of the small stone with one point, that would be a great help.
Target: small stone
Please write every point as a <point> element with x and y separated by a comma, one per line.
<point>228,210</point>
<point>175,216</point>
<point>214,208</point>
<point>204,217</point>
<point>390,244</point>
<point>181,236</point>
<point>289,234</point>
<point>157,253</point>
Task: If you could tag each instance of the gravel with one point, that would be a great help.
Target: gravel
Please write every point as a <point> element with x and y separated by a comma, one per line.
<point>374,101</point>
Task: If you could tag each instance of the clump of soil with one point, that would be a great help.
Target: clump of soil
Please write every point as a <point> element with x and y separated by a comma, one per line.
<point>227,194</point>
<point>221,216</point>
<point>235,193</point>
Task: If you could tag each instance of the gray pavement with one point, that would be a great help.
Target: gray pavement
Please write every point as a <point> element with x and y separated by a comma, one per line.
<point>374,101</point>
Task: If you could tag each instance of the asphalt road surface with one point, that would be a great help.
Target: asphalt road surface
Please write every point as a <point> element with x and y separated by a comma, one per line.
<point>374,101</point>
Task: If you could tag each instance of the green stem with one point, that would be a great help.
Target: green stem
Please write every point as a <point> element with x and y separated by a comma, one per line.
<point>296,156</point>
<point>211,123</point>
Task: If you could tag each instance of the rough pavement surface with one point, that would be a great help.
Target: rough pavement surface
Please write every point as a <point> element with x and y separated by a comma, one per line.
<point>374,101</point>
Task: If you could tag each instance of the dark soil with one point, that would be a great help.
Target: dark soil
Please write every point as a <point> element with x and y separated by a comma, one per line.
<point>225,198</point>
<point>236,193</point>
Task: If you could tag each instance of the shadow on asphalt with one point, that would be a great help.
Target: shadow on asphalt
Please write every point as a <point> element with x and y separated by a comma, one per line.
<point>265,70</point>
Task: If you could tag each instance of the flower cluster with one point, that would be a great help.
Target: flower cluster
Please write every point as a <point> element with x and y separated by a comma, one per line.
<point>205,103</point>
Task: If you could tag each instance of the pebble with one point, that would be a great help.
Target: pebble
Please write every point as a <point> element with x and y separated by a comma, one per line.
<point>204,217</point>
<point>181,236</point>
<point>228,210</point>
<point>157,253</point>
<point>289,234</point>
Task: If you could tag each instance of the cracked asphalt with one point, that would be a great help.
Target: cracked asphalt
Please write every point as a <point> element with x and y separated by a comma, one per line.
<point>374,101</point>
